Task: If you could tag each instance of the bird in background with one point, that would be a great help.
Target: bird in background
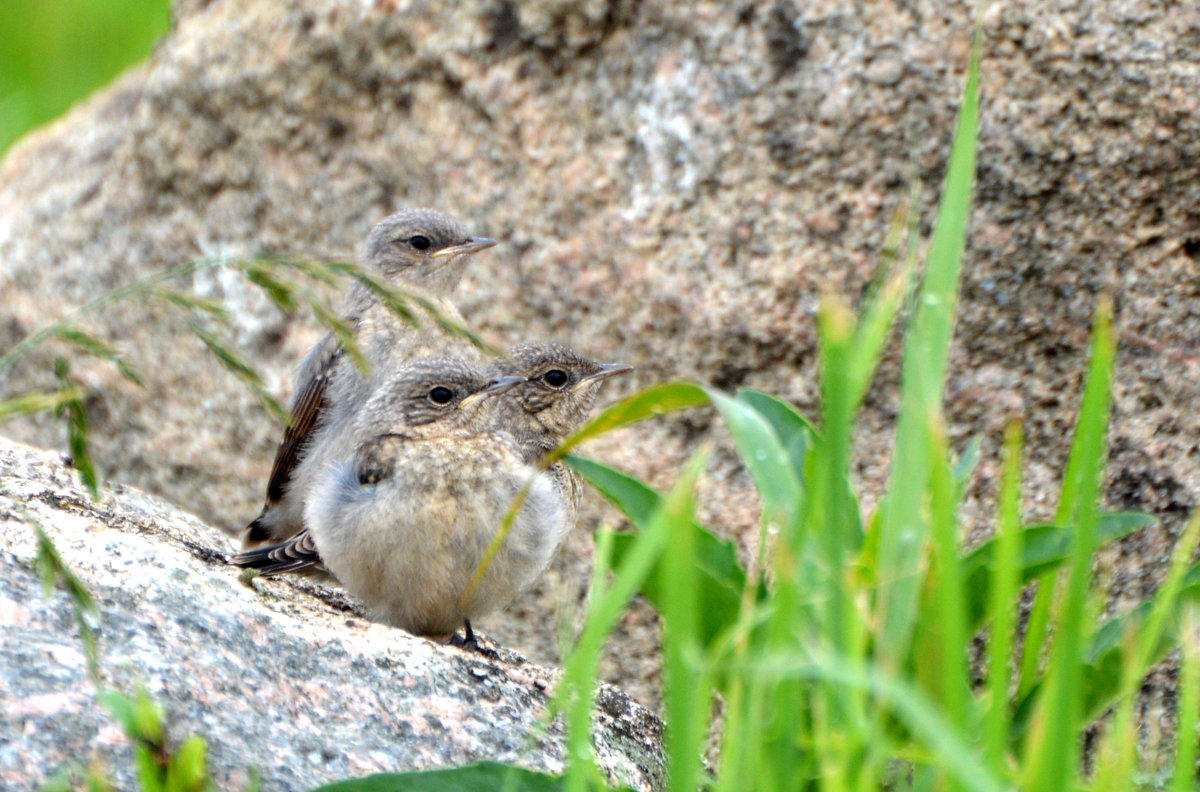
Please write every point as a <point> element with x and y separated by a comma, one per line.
<point>559,389</point>
<point>424,253</point>
<point>405,519</point>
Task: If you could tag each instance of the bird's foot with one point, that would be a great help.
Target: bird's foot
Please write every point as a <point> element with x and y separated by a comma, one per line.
<point>469,643</point>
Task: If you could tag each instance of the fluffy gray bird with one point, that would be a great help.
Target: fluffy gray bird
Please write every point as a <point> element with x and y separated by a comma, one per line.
<point>405,520</point>
<point>559,390</point>
<point>421,251</point>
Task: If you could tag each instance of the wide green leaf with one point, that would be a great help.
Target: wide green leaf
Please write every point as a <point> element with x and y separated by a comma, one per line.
<point>472,778</point>
<point>1044,548</point>
<point>795,432</point>
<point>720,576</point>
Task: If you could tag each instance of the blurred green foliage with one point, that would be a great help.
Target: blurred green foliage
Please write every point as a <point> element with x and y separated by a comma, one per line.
<point>55,52</point>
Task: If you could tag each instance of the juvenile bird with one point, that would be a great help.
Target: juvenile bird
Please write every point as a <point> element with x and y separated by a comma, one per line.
<point>559,390</point>
<point>404,521</point>
<point>419,250</point>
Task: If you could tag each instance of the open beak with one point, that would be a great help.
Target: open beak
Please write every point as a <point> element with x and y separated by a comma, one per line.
<point>495,387</point>
<point>606,370</point>
<point>472,245</point>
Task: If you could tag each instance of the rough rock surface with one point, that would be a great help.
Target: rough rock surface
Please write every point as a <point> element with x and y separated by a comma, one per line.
<point>676,184</point>
<point>288,679</point>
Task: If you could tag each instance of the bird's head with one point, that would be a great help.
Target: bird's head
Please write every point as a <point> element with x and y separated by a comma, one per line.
<point>424,247</point>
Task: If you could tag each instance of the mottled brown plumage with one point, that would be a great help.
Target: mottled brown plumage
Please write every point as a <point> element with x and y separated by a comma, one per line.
<point>558,393</point>
<point>405,519</point>
<point>419,250</point>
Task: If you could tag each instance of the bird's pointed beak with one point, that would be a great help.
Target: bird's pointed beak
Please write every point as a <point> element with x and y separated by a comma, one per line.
<point>494,388</point>
<point>606,370</point>
<point>472,245</point>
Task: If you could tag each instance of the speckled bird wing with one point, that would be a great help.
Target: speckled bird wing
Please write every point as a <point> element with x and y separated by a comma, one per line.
<point>297,554</point>
<point>306,413</point>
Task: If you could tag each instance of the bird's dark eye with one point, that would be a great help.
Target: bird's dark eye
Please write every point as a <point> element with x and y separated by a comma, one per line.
<point>420,242</point>
<point>555,378</point>
<point>441,395</point>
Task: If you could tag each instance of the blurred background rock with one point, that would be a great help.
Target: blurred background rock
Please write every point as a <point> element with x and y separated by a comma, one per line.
<point>675,185</point>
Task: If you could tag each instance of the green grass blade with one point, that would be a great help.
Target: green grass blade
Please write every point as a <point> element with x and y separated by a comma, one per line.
<point>687,695</point>
<point>280,292</point>
<point>97,348</point>
<point>75,411</point>
<point>1055,754</point>
<point>575,695</point>
<point>1114,670</point>
<point>1002,602</point>
<point>30,403</point>
<point>904,526</point>
<point>655,401</point>
<point>341,330</point>
<point>191,303</point>
<point>944,743</point>
<point>826,555</point>
<point>949,615</point>
<point>872,331</point>
<point>1188,696</point>
<point>240,369</point>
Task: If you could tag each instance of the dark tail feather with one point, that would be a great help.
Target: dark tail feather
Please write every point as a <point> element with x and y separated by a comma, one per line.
<point>295,555</point>
<point>256,531</point>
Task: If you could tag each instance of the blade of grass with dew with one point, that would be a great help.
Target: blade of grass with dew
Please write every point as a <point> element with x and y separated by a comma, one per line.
<point>1051,759</point>
<point>926,349</point>
<point>575,693</point>
<point>1188,697</point>
<point>97,348</point>
<point>1003,588</point>
<point>765,460</point>
<point>721,578</point>
<point>795,432</point>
